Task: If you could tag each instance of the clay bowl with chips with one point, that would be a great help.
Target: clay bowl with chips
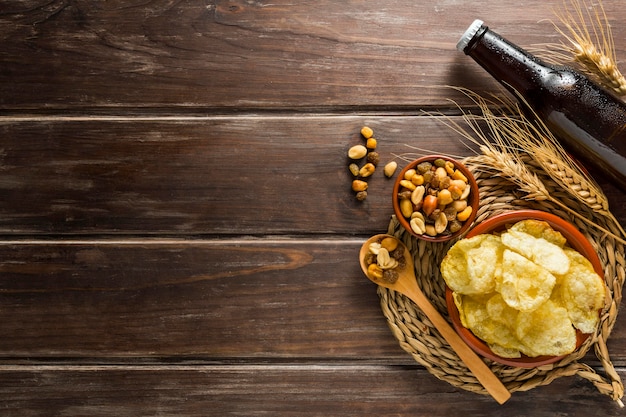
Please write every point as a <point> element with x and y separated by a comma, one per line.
<point>447,205</point>
<point>575,239</point>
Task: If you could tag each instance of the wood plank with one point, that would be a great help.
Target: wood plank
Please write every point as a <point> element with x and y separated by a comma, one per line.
<point>238,54</point>
<point>284,174</point>
<point>199,298</point>
<point>288,390</point>
<point>222,299</point>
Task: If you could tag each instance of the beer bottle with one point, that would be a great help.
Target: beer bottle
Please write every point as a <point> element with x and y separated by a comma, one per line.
<point>588,120</point>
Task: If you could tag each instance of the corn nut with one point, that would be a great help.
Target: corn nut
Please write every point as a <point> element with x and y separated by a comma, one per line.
<point>367,170</point>
<point>375,271</point>
<point>358,185</point>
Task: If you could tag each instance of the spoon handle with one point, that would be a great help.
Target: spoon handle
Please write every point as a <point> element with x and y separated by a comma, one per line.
<point>485,376</point>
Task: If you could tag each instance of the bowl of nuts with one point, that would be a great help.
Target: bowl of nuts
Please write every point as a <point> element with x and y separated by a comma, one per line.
<point>435,198</point>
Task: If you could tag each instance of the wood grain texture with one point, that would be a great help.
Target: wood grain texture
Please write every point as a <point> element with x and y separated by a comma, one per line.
<point>290,390</point>
<point>211,300</point>
<point>284,174</point>
<point>234,54</point>
<point>178,236</point>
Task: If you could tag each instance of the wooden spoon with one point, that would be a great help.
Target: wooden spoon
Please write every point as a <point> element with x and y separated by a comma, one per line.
<point>407,285</point>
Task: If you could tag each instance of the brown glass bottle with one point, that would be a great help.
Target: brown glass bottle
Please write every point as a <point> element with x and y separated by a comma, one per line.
<point>589,121</point>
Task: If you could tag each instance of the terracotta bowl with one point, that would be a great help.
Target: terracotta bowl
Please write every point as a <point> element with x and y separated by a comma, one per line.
<point>473,199</point>
<point>498,223</point>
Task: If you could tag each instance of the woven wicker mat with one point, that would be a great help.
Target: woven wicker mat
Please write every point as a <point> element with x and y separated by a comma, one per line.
<point>422,341</point>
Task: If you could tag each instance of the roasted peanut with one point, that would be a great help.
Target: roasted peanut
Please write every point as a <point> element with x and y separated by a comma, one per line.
<point>375,247</point>
<point>441,223</point>
<point>417,196</point>
<point>357,152</point>
<point>417,225</point>
<point>390,169</point>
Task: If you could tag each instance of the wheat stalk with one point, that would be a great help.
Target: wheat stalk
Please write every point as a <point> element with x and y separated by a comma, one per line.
<point>506,137</point>
<point>591,44</point>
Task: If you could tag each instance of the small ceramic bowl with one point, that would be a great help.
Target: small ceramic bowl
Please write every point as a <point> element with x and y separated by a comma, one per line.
<point>472,199</point>
<point>498,223</point>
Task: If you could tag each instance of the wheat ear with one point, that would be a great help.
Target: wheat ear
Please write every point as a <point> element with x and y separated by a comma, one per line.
<point>507,137</point>
<point>591,43</point>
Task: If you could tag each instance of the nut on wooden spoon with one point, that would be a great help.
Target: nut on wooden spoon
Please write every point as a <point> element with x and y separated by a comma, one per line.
<point>407,284</point>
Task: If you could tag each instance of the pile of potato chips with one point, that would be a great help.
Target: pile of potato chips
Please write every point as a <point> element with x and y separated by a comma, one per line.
<point>524,291</point>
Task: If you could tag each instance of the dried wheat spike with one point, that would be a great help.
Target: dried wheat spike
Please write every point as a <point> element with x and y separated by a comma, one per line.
<point>591,44</point>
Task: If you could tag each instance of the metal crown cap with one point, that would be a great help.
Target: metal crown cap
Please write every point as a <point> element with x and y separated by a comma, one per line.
<point>469,34</point>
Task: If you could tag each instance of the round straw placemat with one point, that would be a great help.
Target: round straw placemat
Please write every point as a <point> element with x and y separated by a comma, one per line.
<point>417,336</point>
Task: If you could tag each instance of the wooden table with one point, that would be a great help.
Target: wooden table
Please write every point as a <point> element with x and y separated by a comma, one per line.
<point>178,236</point>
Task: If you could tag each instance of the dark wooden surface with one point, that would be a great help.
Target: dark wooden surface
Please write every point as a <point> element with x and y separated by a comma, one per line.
<point>177,232</point>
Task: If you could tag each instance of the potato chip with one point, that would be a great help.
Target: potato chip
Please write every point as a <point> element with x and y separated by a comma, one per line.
<point>471,265</point>
<point>525,285</point>
<point>500,311</point>
<point>505,352</point>
<point>582,293</point>
<point>540,229</point>
<point>538,250</point>
<point>546,331</point>
<point>496,333</point>
<point>524,291</point>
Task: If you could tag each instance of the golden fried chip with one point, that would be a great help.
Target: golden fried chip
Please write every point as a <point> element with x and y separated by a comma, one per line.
<point>546,331</point>
<point>524,291</point>
<point>582,293</point>
<point>471,265</point>
<point>525,285</point>
<point>500,311</point>
<point>475,316</point>
<point>538,250</point>
<point>540,229</point>
<point>504,352</point>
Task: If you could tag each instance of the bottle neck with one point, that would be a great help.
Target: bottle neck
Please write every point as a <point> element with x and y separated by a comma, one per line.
<point>516,69</point>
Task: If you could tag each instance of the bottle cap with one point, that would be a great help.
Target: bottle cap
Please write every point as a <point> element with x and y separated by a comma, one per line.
<point>469,34</point>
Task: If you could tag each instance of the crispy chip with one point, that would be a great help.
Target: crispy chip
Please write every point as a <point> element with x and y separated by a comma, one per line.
<point>538,250</point>
<point>471,265</point>
<point>546,331</point>
<point>500,311</point>
<point>525,285</point>
<point>505,352</point>
<point>540,229</point>
<point>582,293</point>
<point>524,291</point>
<point>496,333</point>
